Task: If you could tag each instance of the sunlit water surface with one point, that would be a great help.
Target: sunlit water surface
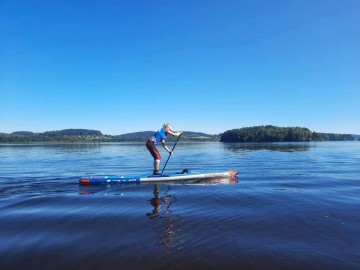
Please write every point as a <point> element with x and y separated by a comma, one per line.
<point>293,206</point>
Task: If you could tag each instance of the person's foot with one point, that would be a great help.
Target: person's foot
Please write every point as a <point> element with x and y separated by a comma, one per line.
<point>156,172</point>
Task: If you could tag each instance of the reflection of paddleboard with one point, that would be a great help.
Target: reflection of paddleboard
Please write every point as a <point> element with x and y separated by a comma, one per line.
<point>184,175</point>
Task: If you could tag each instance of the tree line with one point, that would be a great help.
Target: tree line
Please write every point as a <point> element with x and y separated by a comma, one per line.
<point>65,135</point>
<point>72,132</point>
<point>280,134</point>
<point>248,134</point>
<point>85,135</point>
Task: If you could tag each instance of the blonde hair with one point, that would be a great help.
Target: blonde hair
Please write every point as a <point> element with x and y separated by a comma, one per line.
<point>168,125</point>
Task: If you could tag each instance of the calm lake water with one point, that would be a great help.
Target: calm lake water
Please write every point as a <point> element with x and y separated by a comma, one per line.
<point>293,206</point>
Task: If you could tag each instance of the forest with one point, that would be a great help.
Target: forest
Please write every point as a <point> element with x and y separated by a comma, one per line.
<point>280,134</point>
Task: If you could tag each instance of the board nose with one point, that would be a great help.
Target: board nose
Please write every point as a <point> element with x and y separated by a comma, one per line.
<point>232,172</point>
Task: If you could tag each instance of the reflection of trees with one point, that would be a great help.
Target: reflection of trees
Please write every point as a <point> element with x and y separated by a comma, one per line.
<point>283,147</point>
<point>169,234</point>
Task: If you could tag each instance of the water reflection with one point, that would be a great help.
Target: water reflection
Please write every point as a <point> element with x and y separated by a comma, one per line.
<point>156,203</point>
<point>168,224</point>
<point>53,145</point>
<point>70,144</point>
<point>282,147</point>
<point>170,232</point>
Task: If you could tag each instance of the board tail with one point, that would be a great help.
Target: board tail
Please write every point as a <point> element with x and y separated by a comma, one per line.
<point>84,181</point>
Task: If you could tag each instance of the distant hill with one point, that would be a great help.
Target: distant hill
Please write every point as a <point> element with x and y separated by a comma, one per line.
<point>72,132</point>
<point>89,135</point>
<point>336,137</point>
<point>186,136</point>
<point>250,134</point>
<point>65,135</point>
<point>141,134</point>
<point>23,133</point>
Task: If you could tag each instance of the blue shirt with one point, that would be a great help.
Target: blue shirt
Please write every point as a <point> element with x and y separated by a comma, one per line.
<point>159,136</point>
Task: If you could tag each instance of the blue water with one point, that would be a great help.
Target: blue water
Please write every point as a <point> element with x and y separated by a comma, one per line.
<point>293,206</point>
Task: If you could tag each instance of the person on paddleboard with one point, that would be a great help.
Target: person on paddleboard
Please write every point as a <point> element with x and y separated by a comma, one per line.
<point>158,137</point>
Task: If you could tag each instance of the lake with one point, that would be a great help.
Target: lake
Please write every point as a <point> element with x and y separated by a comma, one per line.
<point>293,206</point>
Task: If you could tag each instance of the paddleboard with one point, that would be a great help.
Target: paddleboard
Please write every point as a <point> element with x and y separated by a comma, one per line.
<point>180,176</point>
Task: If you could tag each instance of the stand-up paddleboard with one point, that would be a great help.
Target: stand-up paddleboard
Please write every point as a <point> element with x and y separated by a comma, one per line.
<point>181,176</point>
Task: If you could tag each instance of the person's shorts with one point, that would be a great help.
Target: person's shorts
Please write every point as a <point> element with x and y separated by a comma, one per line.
<point>150,145</point>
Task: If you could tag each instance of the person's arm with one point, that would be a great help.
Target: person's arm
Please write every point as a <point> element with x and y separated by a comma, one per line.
<point>176,134</point>
<point>166,148</point>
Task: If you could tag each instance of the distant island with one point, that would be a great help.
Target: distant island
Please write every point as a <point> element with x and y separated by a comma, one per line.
<point>280,134</point>
<point>248,134</point>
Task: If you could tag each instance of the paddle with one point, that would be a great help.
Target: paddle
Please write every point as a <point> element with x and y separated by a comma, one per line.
<point>172,150</point>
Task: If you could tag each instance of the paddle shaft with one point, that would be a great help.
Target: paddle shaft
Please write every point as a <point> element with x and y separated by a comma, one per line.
<point>171,153</point>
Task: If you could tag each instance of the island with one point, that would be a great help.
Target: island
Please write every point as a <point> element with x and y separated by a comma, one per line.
<point>270,133</point>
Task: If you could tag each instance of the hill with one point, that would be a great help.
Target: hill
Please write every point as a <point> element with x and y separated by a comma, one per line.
<point>186,136</point>
<point>65,135</point>
<point>89,135</point>
<point>249,134</point>
<point>23,133</point>
<point>72,132</point>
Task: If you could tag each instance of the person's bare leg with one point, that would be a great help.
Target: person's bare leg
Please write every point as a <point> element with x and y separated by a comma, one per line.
<point>156,165</point>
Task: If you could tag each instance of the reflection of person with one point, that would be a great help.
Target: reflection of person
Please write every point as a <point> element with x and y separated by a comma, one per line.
<point>158,137</point>
<point>156,203</point>
<point>168,233</point>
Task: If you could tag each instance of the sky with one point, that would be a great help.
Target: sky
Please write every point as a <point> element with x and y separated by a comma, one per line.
<point>202,65</point>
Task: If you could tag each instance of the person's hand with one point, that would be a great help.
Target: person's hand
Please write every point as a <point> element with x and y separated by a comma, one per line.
<point>170,152</point>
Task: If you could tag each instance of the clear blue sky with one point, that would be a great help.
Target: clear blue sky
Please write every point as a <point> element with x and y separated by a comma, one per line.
<point>125,66</point>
